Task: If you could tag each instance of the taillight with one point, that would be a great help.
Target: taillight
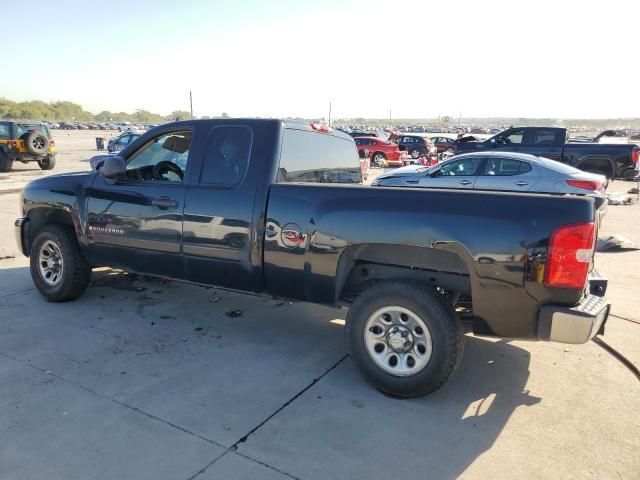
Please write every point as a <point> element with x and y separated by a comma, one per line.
<point>586,184</point>
<point>635,155</point>
<point>570,251</point>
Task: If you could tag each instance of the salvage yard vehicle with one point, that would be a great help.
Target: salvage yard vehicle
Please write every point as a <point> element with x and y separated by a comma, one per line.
<point>506,171</point>
<point>383,153</point>
<point>443,144</point>
<point>118,143</point>
<point>608,159</point>
<point>260,205</point>
<point>26,142</point>
<point>415,146</point>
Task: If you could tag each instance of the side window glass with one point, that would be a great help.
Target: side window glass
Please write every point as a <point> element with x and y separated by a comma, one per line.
<point>4,130</point>
<point>462,168</point>
<point>514,138</point>
<point>545,137</point>
<point>226,157</point>
<point>505,167</point>
<point>162,159</point>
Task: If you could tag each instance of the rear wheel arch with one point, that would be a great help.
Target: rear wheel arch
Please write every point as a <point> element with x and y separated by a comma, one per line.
<point>360,266</point>
<point>593,163</point>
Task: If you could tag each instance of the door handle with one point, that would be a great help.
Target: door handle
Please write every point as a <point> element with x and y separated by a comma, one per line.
<point>164,203</point>
<point>522,184</point>
<point>465,182</point>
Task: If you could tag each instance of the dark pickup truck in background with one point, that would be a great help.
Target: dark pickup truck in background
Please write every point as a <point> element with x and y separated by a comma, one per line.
<point>614,160</point>
<point>277,207</point>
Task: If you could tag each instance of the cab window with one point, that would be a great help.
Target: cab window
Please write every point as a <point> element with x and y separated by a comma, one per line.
<point>5,130</point>
<point>226,159</point>
<point>162,159</point>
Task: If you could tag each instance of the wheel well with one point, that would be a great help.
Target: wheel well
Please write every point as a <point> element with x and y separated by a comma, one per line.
<point>363,265</point>
<point>603,164</point>
<point>379,152</point>
<point>41,217</point>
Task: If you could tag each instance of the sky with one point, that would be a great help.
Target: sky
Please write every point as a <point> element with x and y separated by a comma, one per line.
<point>419,59</point>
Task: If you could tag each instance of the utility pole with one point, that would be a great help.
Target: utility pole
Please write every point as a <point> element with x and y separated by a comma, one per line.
<point>329,113</point>
<point>191,104</point>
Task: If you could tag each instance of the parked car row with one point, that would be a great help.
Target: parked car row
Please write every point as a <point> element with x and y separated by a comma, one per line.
<point>119,126</point>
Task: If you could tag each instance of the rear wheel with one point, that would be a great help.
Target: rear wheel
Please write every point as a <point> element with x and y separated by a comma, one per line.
<point>415,153</point>
<point>47,163</point>
<point>379,160</point>
<point>5,163</point>
<point>404,339</point>
<point>58,268</point>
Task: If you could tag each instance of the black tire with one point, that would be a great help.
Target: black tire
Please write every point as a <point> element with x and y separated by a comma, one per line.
<point>75,273</point>
<point>5,163</point>
<point>47,163</point>
<point>446,332</point>
<point>415,153</point>
<point>378,159</point>
<point>629,173</point>
<point>36,143</point>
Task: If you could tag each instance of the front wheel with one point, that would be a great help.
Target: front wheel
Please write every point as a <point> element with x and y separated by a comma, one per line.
<point>47,163</point>
<point>404,339</point>
<point>58,268</point>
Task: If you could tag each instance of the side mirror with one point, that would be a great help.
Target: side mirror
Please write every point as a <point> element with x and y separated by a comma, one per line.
<point>113,167</point>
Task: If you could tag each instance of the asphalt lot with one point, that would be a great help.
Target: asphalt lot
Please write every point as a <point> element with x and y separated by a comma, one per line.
<point>144,378</point>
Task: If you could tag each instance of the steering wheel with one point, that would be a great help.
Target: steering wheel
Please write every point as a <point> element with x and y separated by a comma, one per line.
<point>165,166</point>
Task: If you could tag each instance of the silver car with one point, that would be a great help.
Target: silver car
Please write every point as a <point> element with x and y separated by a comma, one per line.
<point>504,171</point>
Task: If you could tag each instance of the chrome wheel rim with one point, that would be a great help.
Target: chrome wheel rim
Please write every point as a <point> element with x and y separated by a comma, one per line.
<point>398,341</point>
<point>51,263</point>
<point>415,154</point>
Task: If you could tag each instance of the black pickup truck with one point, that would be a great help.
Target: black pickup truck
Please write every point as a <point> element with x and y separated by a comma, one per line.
<point>277,207</point>
<point>619,160</point>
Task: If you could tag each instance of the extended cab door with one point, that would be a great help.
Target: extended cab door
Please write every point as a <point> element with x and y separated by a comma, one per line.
<point>135,222</point>
<point>545,142</point>
<point>457,174</point>
<point>219,228</point>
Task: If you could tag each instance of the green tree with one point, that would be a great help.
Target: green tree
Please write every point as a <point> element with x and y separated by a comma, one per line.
<point>179,115</point>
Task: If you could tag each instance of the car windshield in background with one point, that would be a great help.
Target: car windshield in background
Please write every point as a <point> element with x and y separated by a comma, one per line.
<point>317,158</point>
<point>22,128</point>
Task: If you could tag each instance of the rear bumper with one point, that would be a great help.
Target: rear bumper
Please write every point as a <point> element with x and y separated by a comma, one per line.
<point>577,324</point>
<point>22,231</point>
<point>27,157</point>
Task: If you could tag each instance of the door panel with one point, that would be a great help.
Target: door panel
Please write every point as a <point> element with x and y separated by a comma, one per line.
<point>218,211</point>
<point>507,175</point>
<point>135,222</point>
<point>129,231</point>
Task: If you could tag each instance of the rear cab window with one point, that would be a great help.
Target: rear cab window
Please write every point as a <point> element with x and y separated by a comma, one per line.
<point>5,130</point>
<point>313,157</point>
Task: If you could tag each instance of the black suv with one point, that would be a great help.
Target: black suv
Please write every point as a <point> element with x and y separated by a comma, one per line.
<point>26,142</point>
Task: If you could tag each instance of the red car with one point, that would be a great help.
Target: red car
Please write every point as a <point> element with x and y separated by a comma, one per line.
<point>383,154</point>
<point>443,144</point>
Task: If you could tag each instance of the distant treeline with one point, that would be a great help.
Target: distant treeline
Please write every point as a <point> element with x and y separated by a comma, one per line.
<point>69,111</point>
